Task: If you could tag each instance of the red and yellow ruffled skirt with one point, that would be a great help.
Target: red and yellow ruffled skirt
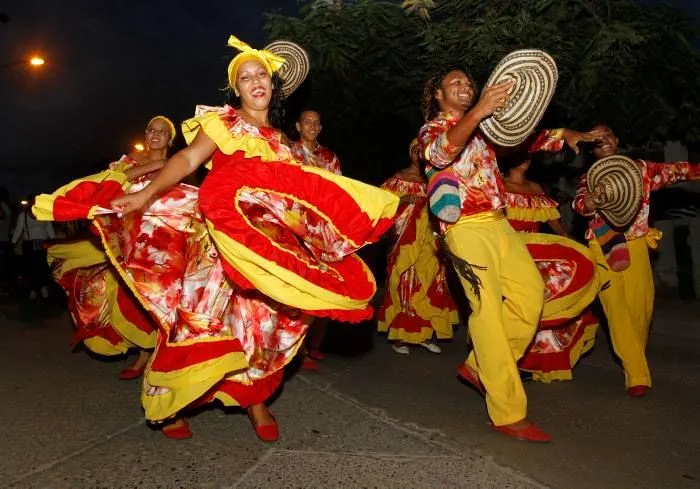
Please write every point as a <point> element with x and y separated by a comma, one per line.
<point>108,319</point>
<point>417,304</point>
<point>231,294</point>
<point>567,329</point>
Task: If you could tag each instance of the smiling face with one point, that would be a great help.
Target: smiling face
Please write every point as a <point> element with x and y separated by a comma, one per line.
<point>309,126</point>
<point>254,86</point>
<point>158,134</point>
<point>608,143</point>
<point>456,92</point>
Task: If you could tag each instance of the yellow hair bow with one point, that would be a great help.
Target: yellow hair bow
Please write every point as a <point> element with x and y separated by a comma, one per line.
<point>269,60</point>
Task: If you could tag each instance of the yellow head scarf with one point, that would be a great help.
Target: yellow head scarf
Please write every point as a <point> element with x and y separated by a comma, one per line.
<point>171,126</point>
<point>269,60</point>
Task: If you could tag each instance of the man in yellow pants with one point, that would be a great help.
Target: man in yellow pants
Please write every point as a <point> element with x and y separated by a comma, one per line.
<point>502,283</point>
<point>628,295</point>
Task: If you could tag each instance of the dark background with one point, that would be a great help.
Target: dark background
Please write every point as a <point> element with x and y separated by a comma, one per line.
<point>110,67</point>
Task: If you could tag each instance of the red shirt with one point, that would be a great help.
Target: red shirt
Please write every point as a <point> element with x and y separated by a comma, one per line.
<point>655,176</point>
<point>480,180</point>
<point>320,157</point>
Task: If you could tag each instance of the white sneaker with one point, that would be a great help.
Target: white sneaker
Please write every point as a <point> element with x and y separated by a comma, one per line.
<point>431,347</point>
<point>403,349</point>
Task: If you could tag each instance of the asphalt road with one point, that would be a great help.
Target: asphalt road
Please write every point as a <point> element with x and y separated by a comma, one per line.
<point>369,419</point>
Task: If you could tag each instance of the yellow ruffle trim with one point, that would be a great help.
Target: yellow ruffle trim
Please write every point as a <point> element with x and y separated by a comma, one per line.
<point>43,207</point>
<point>214,127</point>
<point>532,215</point>
<point>187,385</point>
<point>283,285</point>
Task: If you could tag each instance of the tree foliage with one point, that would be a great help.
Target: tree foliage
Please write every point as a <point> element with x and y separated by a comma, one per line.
<point>629,64</point>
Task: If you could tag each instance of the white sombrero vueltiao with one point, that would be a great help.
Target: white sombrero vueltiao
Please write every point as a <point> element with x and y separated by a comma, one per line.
<point>621,180</point>
<point>535,75</point>
<point>296,67</point>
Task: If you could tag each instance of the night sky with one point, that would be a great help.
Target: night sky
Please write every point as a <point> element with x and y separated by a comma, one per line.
<point>110,67</point>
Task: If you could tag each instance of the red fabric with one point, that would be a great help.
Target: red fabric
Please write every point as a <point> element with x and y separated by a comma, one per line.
<point>525,226</point>
<point>247,395</point>
<point>132,310</point>
<point>78,201</point>
<point>408,323</point>
<point>557,361</point>
<point>585,268</point>
<point>170,357</point>
<point>346,277</point>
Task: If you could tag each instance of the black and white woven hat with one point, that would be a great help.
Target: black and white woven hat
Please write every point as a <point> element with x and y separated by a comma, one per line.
<point>296,67</point>
<point>622,183</point>
<point>535,76</point>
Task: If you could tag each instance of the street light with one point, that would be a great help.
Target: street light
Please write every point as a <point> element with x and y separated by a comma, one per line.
<point>139,147</point>
<point>34,62</point>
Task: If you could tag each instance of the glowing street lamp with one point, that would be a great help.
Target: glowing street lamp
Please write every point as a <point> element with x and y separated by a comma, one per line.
<point>34,62</point>
<point>139,147</point>
<point>24,202</point>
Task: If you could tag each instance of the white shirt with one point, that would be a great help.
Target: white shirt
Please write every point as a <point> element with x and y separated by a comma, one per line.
<point>30,229</point>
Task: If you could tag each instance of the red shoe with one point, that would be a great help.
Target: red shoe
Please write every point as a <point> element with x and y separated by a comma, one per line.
<point>637,390</point>
<point>310,364</point>
<point>268,433</point>
<point>529,433</point>
<point>316,355</point>
<point>181,432</point>
<point>467,374</point>
<point>131,373</point>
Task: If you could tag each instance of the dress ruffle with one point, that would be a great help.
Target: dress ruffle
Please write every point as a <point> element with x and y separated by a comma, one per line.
<point>108,319</point>
<point>569,273</point>
<point>530,207</point>
<point>417,304</point>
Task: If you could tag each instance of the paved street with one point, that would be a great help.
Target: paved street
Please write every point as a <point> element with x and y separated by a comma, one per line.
<point>373,419</point>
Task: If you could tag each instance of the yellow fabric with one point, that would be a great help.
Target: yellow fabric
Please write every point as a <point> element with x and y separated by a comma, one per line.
<point>281,284</point>
<point>532,214</point>
<point>653,237</point>
<point>556,133</point>
<point>101,346</point>
<point>376,202</point>
<point>82,254</point>
<point>43,207</point>
<point>73,255</point>
<point>168,122</point>
<point>504,320</point>
<point>422,255</point>
<point>214,127</point>
<point>269,60</point>
<point>571,305</point>
<point>128,330</point>
<point>186,385</point>
<point>481,217</point>
<point>628,302</point>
